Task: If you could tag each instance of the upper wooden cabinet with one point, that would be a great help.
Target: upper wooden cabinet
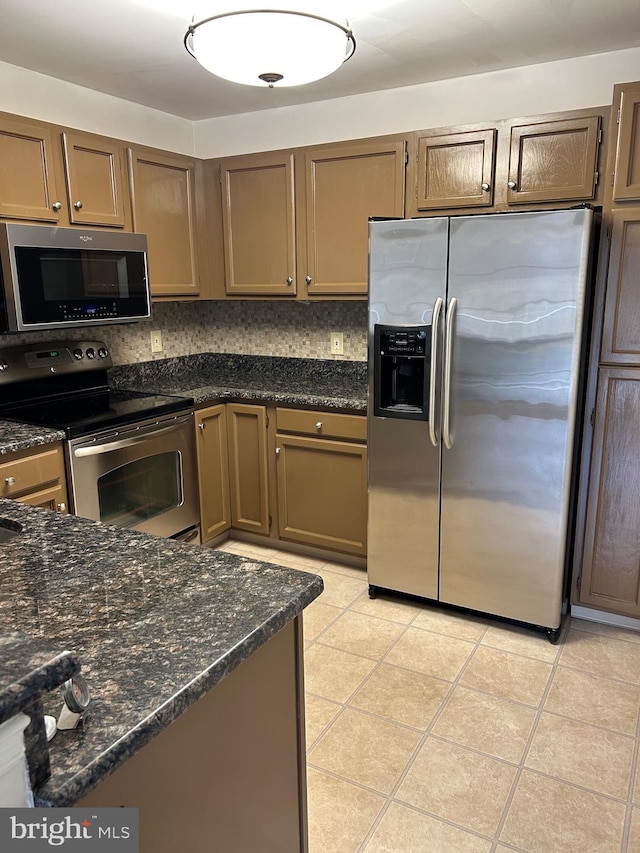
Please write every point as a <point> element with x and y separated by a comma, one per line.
<point>344,186</point>
<point>164,208</point>
<point>534,161</point>
<point>28,181</point>
<point>621,328</point>
<point>258,221</point>
<point>553,160</point>
<point>297,224</point>
<point>626,168</point>
<point>455,170</point>
<point>95,175</point>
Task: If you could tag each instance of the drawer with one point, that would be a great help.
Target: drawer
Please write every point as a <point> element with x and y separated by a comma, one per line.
<point>30,472</point>
<point>326,424</point>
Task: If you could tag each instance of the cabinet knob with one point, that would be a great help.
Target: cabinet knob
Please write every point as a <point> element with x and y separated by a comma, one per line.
<point>201,426</point>
<point>319,425</point>
<point>289,280</point>
<point>308,279</point>
<point>56,205</point>
<point>512,185</point>
<point>10,481</point>
<point>62,507</point>
<point>277,451</point>
<point>485,187</point>
<point>77,205</point>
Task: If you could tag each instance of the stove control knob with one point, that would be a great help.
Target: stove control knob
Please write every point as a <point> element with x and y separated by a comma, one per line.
<point>103,352</point>
<point>91,353</point>
<point>78,354</point>
<point>3,365</point>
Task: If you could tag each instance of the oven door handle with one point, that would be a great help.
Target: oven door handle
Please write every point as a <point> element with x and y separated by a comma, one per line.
<point>119,444</point>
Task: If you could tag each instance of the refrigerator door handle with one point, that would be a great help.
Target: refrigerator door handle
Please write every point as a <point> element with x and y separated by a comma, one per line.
<point>433,378</point>
<point>448,357</point>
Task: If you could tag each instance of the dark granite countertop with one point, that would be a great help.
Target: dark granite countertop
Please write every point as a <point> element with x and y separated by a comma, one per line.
<point>154,623</point>
<point>16,436</point>
<point>209,377</point>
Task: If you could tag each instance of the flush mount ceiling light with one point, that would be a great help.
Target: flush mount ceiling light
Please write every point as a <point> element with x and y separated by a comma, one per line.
<point>270,46</point>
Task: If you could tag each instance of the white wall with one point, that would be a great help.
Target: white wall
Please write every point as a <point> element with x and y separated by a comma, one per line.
<point>549,87</point>
<point>565,85</point>
<point>38,96</point>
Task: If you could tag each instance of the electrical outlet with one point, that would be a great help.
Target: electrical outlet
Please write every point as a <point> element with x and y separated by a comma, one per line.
<point>337,343</point>
<point>156,341</point>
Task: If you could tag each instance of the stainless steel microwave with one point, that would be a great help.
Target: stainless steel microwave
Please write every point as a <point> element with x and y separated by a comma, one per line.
<point>56,278</point>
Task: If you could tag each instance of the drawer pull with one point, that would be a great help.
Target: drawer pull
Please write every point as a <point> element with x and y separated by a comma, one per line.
<point>10,481</point>
<point>62,507</point>
<point>56,205</point>
<point>77,205</point>
<point>319,425</point>
<point>277,451</point>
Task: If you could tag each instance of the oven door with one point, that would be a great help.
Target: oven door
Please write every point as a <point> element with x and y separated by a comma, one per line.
<point>143,476</point>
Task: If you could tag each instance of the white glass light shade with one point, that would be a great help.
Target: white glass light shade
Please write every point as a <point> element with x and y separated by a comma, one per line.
<point>263,47</point>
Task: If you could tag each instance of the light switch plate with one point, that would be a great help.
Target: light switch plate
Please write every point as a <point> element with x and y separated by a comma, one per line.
<point>156,341</point>
<point>337,343</point>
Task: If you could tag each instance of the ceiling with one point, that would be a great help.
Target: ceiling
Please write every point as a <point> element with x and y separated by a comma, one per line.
<point>133,49</point>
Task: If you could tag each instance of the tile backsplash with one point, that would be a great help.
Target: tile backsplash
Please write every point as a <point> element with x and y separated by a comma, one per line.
<point>294,329</point>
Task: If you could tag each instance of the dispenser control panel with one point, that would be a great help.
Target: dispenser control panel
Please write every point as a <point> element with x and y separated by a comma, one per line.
<point>403,342</point>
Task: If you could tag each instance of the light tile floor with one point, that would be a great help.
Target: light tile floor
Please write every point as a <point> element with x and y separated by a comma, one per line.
<point>434,732</point>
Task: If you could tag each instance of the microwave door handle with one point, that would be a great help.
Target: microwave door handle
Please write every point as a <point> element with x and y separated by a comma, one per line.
<point>119,444</point>
<point>433,378</point>
<point>448,358</point>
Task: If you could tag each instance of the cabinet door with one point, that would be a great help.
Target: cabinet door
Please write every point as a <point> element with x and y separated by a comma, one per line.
<point>456,170</point>
<point>93,172</point>
<point>247,431</point>
<point>621,330</point>
<point>213,471</point>
<point>259,224</point>
<point>626,184</point>
<point>27,175</point>
<point>344,186</point>
<point>610,568</point>
<point>553,161</point>
<point>322,493</point>
<point>163,200</point>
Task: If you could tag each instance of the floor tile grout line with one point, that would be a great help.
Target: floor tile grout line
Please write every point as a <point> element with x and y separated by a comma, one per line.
<point>525,752</point>
<point>419,746</point>
<point>630,798</point>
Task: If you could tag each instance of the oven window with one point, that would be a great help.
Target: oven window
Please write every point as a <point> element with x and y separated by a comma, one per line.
<point>141,489</point>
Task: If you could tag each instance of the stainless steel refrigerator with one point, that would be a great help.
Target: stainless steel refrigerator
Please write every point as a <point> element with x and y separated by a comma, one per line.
<point>476,350</point>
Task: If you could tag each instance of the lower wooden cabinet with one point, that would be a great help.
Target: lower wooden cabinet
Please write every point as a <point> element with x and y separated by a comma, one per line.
<point>610,578</point>
<point>249,481</point>
<point>322,480</point>
<point>213,471</point>
<point>35,477</point>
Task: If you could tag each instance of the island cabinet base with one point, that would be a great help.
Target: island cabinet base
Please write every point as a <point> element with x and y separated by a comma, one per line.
<point>229,774</point>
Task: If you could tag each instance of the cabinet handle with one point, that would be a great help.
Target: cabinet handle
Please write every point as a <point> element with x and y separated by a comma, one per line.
<point>61,507</point>
<point>319,425</point>
<point>289,280</point>
<point>56,205</point>
<point>485,187</point>
<point>512,185</point>
<point>201,426</point>
<point>308,279</point>
<point>277,451</point>
<point>77,205</point>
<point>10,481</point>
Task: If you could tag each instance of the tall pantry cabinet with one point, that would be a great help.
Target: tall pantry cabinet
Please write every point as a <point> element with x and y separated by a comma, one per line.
<point>610,573</point>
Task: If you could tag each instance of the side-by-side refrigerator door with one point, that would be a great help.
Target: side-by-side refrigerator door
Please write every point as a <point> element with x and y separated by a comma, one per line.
<point>519,281</point>
<point>407,281</point>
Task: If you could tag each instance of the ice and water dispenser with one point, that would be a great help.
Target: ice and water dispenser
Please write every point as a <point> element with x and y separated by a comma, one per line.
<point>402,361</point>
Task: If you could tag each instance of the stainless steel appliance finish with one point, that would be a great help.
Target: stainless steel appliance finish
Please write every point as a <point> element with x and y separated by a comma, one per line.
<point>55,278</point>
<point>131,456</point>
<point>472,506</point>
<point>142,476</point>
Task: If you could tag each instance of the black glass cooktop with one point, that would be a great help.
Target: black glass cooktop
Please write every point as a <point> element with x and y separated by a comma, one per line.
<point>82,414</point>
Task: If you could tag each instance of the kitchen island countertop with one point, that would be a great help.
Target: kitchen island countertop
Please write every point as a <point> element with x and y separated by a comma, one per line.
<point>154,623</point>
